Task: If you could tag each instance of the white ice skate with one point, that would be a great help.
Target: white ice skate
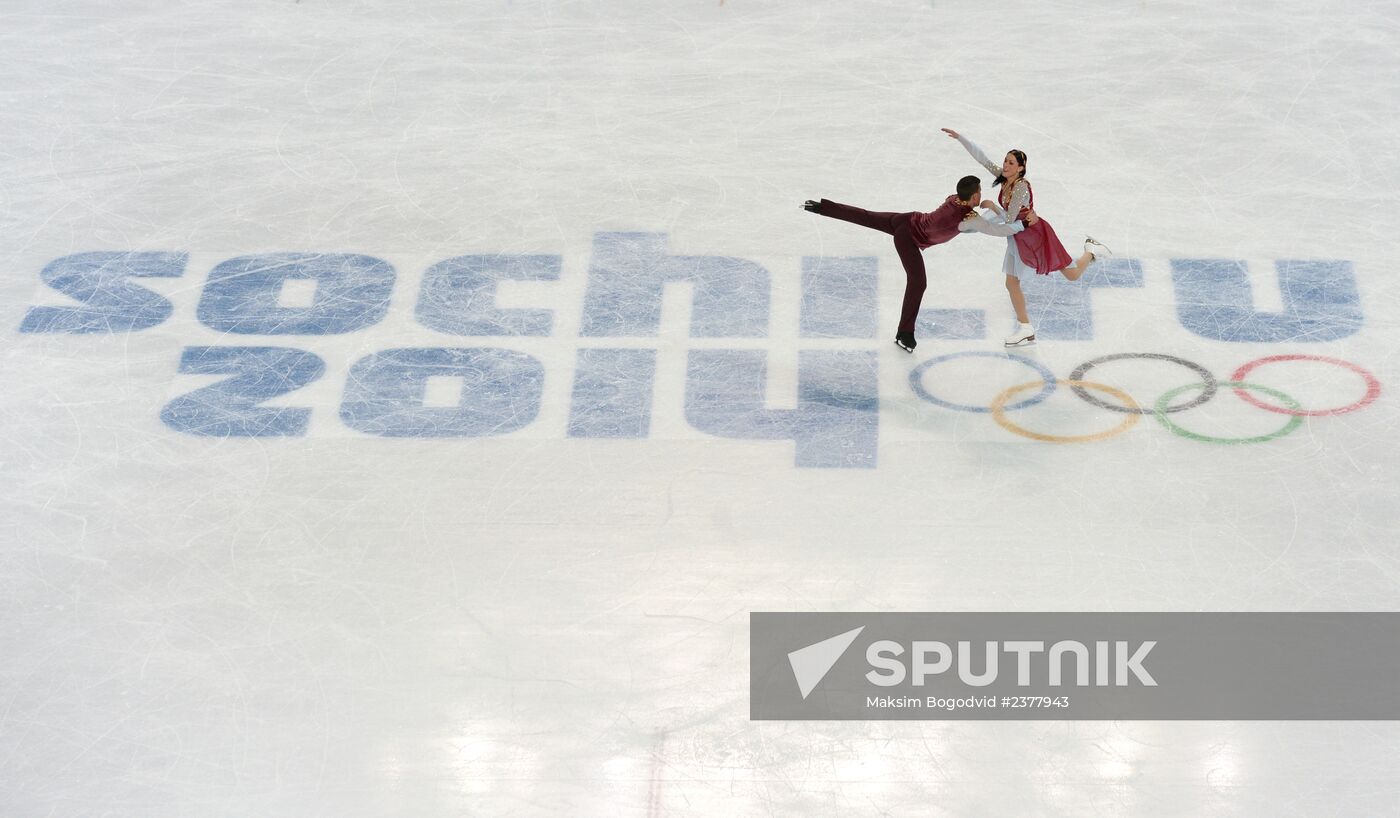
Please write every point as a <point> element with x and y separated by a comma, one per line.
<point>1099,250</point>
<point>1024,336</point>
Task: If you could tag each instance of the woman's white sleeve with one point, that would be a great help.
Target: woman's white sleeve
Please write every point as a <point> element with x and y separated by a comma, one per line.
<point>979,155</point>
<point>981,225</point>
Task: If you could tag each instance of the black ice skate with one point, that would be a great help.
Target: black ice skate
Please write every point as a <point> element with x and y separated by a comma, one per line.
<point>811,206</point>
<point>905,341</point>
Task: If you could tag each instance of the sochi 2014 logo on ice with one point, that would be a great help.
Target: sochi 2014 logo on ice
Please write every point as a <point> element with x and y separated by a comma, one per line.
<point>498,390</point>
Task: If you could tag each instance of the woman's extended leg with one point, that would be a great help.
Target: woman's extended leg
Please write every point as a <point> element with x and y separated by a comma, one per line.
<point>1076,270</point>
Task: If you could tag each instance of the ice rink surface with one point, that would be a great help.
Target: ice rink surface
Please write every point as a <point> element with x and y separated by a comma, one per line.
<point>536,381</point>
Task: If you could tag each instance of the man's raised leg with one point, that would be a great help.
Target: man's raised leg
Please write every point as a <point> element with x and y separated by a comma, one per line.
<point>884,222</point>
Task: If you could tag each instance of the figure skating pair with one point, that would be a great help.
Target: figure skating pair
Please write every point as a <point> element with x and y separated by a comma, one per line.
<point>1031,244</point>
<point>913,232</point>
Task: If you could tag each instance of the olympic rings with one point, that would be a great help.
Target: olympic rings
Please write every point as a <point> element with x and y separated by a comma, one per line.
<point>1207,385</point>
<point>1373,386</point>
<point>916,380</point>
<point>1206,378</point>
<point>1128,422</point>
<point>1239,386</point>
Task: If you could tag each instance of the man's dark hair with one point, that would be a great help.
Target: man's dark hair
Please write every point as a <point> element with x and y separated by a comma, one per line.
<point>967,186</point>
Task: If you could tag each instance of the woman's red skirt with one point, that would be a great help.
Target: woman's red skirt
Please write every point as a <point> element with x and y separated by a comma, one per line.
<point>1041,249</point>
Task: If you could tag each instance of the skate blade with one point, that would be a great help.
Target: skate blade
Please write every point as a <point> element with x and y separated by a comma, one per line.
<point>909,350</point>
<point>1024,342</point>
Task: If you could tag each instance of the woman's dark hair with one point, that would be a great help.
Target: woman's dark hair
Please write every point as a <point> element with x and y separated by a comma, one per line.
<point>1020,157</point>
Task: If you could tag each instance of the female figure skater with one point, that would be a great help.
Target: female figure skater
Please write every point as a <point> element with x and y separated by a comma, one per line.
<point>1036,249</point>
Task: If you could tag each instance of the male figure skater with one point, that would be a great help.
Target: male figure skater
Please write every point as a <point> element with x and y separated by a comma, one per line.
<point>914,231</point>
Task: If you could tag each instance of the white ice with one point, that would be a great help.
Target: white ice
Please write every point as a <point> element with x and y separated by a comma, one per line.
<point>532,623</point>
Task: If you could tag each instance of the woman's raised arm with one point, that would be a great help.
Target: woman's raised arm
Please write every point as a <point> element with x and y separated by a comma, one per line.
<point>976,152</point>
